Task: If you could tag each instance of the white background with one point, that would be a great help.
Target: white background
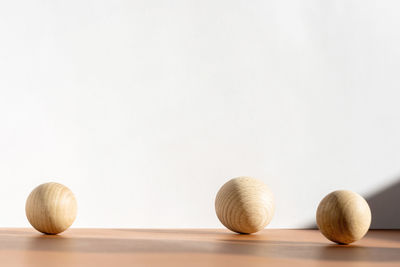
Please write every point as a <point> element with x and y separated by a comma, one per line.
<point>145,108</point>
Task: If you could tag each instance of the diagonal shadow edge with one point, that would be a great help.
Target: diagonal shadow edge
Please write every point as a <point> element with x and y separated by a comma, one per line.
<point>385,208</point>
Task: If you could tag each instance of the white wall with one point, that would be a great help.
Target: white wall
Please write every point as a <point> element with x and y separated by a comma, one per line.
<point>145,108</point>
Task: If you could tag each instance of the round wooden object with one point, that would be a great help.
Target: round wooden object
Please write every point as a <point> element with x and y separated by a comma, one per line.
<point>51,208</point>
<point>244,205</point>
<point>343,216</point>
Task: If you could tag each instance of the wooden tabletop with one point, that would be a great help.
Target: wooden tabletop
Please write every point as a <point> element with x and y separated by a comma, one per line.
<point>185,247</point>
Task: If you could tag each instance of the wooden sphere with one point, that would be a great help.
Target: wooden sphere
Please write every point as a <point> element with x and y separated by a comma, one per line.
<point>244,205</point>
<point>51,208</point>
<point>343,216</point>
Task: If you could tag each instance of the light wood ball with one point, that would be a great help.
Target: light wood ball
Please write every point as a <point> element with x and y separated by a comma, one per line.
<point>244,205</point>
<point>343,216</point>
<point>51,208</point>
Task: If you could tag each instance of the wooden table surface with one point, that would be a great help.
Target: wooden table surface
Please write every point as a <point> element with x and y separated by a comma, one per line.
<point>185,247</point>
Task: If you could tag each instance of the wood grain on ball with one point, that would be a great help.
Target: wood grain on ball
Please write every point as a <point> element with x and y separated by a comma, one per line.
<point>51,208</point>
<point>343,216</point>
<point>244,205</point>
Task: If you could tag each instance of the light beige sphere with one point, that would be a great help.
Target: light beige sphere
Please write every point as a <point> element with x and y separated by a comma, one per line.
<point>244,205</point>
<point>51,208</point>
<point>343,216</point>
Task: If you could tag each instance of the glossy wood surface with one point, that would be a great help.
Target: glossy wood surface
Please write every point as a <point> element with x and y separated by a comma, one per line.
<point>208,247</point>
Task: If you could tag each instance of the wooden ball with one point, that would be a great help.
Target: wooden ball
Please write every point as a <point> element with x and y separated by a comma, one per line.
<point>244,205</point>
<point>343,216</point>
<point>51,208</point>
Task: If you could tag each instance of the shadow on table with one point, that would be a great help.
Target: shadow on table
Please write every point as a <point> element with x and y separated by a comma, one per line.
<point>261,248</point>
<point>184,231</point>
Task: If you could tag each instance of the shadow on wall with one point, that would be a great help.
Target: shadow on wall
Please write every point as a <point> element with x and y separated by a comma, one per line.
<point>385,208</point>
